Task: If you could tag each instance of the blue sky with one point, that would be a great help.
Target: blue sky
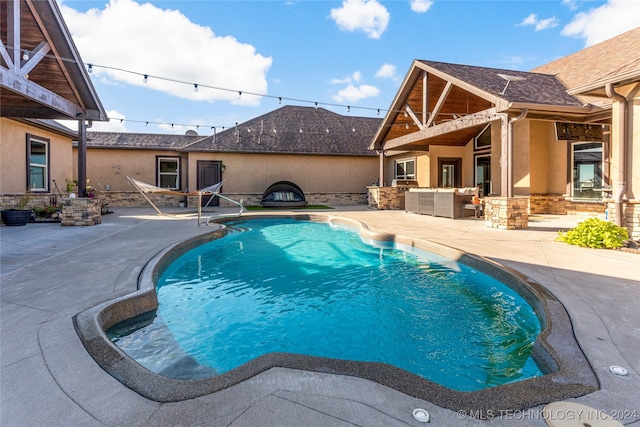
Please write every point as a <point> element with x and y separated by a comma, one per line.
<point>338,54</point>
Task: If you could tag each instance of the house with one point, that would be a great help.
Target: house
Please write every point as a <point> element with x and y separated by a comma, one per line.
<point>323,153</point>
<point>42,78</point>
<point>558,139</point>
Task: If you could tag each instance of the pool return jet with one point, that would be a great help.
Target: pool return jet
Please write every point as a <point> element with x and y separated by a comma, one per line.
<point>213,190</point>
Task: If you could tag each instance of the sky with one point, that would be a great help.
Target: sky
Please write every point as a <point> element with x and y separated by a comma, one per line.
<point>214,63</point>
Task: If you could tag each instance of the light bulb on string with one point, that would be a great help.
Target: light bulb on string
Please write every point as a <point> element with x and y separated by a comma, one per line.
<point>90,68</point>
<point>195,87</point>
<point>145,78</point>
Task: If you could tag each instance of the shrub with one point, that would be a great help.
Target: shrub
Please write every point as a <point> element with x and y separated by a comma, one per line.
<point>595,233</point>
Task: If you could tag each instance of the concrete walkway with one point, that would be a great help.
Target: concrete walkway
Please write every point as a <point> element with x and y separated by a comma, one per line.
<point>50,273</point>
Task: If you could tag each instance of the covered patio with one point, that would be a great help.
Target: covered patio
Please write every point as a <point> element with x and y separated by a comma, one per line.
<point>454,126</point>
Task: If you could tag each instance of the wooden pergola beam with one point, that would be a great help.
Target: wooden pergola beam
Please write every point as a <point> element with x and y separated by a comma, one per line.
<point>37,93</point>
<point>471,120</point>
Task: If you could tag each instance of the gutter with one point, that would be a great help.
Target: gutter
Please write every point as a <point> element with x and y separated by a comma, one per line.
<point>622,148</point>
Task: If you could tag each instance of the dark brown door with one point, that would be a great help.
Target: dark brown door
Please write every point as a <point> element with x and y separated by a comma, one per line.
<point>209,173</point>
<point>450,173</point>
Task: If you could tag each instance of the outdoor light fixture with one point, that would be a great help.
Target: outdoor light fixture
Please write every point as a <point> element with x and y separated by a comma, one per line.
<point>195,87</point>
<point>145,78</point>
<point>90,68</point>
<point>25,55</point>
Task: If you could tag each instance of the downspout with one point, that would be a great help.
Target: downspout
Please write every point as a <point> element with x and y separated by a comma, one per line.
<point>522,115</point>
<point>622,184</point>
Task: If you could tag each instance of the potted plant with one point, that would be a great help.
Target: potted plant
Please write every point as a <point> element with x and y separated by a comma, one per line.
<point>20,215</point>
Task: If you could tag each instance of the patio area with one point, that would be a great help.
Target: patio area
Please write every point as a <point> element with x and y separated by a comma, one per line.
<point>50,273</point>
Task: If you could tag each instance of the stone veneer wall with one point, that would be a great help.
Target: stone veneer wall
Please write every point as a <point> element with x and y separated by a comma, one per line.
<point>386,198</point>
<point>135,199</point>
<point>81,211</point>
<point>630,217</point>
<point>561,205</point>
<point>506,213</point>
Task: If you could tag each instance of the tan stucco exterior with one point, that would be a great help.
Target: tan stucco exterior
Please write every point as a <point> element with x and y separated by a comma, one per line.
<point>13,156</point>
<point>243,173</point>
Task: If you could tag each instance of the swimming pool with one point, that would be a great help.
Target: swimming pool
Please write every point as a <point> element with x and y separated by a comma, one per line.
<point>317,289</point>
<point>567,372</point>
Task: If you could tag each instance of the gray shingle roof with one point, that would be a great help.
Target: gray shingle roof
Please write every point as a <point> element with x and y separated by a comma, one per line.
<point>289,129</point>
<point>538,88</point>
<point>299,130</point>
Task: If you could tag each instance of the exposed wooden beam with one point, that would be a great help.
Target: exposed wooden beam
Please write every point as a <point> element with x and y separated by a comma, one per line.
<point>425,97</point>
<point>56,53</point>
<point>37,93</point>
<point>413,116</point>
<point>465,122</point>
<point>13,33</point>
<point>440,103</point>
<point>35,56</point>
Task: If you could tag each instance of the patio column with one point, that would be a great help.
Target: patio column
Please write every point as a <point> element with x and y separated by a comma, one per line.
<point>82,158</point>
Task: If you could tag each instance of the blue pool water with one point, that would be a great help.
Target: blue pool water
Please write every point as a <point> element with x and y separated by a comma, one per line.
<point>280,285</point>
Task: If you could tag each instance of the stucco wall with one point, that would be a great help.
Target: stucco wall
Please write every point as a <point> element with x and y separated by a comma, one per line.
<point>110,167</point>
<point>541,137</point>
<point>253,173</point>
<point>244,173</point>
<point>13,156</point>
<point>521,157</point>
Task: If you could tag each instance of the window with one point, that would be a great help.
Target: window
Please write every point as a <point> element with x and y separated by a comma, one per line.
<point>484,139</point>
<point>406,169</point>
<point>587,170</point>
<point>38,163</point>
<point>169,172</point>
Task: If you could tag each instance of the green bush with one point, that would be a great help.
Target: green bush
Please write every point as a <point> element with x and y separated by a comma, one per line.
<point>595,233</point>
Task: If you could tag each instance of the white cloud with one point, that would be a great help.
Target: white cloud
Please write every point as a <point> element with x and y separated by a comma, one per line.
<point>386,71</point>
<point>356,93</point>
<point>117,123</point>
<point>162,42</point>
<point>355,77</point>
<point>571,4</point>
<point>539,24</point>
<point>421,6</point>
<point>609,20</point>
<point>367,16</point>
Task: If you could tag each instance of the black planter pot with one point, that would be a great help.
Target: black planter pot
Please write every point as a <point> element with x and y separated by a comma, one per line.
<point>16,217</point>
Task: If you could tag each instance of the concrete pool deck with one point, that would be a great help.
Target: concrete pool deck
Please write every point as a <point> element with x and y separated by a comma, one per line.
<point>50,273</point>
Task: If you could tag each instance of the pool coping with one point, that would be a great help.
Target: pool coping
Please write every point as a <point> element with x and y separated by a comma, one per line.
<point>556,349</point>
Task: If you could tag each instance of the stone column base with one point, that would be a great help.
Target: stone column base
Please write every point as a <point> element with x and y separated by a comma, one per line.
<point>630,216</point>
<point>506,213</point>
<point>81,211</point>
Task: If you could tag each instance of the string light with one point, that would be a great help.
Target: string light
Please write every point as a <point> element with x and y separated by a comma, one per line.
<point>147,76</point>
<point>195,87</point>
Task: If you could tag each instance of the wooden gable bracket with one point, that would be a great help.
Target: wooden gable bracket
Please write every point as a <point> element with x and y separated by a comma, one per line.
<point>413,116</point>
<point>440,103</point>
